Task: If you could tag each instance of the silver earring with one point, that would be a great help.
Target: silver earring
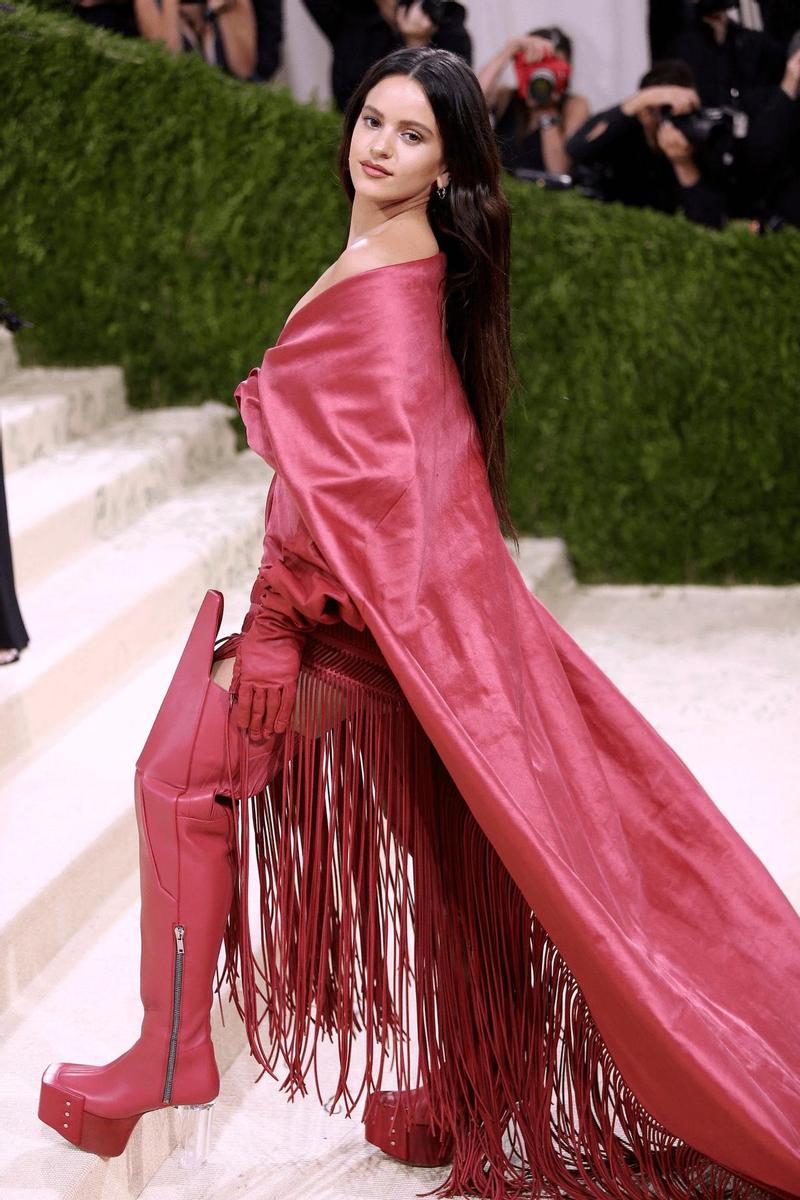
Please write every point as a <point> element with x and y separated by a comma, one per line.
<point>441,192</point>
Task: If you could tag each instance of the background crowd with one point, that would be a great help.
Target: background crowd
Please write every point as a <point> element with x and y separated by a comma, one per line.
<point>712,129</point>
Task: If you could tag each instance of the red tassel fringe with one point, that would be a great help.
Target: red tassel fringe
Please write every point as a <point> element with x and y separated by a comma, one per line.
<point>374,875</point>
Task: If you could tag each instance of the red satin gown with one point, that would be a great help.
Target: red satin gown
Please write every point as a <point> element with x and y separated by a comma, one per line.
<point>474,853</point>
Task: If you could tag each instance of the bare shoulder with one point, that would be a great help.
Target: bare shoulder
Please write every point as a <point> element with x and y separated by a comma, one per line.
<point>367,253</point>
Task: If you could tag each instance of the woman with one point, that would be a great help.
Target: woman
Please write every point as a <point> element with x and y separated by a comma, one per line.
<point>442,787</point>
<point>530,133</point>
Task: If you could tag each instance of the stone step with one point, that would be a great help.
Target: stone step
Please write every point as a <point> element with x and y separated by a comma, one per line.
<point>43,407</point>
<point>545,566</point>
<point>92,487</point>
<point>97,620</point>
<point>68,823</point>
<point>9,363</point>
<point>83,1006</point>
<point>266,1147</point>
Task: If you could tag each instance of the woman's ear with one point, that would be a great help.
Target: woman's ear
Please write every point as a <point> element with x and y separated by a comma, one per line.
<point>443,179</point>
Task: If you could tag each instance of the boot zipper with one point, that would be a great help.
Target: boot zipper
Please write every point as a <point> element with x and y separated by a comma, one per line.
<point>177,984</point>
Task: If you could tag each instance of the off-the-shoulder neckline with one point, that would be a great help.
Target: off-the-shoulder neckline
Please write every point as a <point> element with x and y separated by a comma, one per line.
<point>332,287</point>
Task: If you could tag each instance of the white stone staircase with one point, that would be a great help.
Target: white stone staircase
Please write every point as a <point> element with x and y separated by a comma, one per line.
<point>120,521</point>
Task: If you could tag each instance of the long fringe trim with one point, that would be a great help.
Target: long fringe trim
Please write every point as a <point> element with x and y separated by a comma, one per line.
<point>373,873</point>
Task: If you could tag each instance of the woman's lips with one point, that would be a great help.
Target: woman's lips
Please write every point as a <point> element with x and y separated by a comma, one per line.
<point>374,172</point>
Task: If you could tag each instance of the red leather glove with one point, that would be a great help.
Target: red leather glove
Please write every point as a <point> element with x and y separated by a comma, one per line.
<point>265,672</point>
<point>289,597</point>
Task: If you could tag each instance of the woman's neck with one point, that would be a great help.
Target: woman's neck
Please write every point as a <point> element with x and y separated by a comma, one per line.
<point>366,221</point>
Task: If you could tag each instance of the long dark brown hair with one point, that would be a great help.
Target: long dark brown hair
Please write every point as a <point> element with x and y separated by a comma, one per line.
<point>473,227</point>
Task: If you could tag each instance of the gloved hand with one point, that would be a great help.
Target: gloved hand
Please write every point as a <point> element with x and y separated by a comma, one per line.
<point>289,597</point>
<point>264,681</point>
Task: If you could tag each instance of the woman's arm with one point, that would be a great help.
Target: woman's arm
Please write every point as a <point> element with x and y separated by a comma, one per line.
<point>329,16</point>
<point>490,73</point>
<point>159,22</point>
<point>236,22</point>
<point>556,135</point>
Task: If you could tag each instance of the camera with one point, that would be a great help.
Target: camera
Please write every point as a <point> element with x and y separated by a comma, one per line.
<point>705,126</point>
<point>433,9</point>
<point>543,81</point>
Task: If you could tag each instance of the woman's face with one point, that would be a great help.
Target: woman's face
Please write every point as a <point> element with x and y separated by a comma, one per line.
<point>396,129</point>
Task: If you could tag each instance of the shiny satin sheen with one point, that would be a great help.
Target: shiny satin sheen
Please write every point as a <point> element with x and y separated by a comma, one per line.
<point>685,947</point>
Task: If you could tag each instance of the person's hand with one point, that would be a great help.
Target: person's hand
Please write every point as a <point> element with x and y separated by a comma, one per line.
<point>672,143</point>
<point>414,24</point>
<point>681,100</point>
<point>388,10</point>
<point>264,682</point>
<point>791,76</point>
<point>531,46</point>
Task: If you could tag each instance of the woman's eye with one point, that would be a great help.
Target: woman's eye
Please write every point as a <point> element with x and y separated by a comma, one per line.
<point>413,132</point>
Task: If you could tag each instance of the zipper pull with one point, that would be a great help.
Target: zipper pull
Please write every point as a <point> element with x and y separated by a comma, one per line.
<point>179,938</point>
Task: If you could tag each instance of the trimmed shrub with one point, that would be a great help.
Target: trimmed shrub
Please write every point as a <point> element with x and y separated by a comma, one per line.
<point>660,428</point>
<point>162,215</point>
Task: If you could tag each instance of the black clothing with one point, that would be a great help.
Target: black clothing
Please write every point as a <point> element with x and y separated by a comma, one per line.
<point>13,633</point>
<point>119,18</point>
<point>269,25</point>
<point>360,36</point>
<point>727,74</point>
<point>525,153</point>
<point>634,174</point>
<point>781,19</point>
<point>771,154</point>
<point>666,19</point>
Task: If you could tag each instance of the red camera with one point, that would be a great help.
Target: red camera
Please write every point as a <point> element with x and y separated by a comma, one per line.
<point>544,81</point>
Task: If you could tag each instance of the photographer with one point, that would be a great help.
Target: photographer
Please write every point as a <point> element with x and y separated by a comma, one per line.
<point>533,121</point>
<point>362,31</point>
<point>729,63</point>
<point>772,146</point>
<point>643,159</point>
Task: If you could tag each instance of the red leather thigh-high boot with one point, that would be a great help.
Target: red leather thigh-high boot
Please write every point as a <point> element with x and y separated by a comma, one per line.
<point>186,844</point>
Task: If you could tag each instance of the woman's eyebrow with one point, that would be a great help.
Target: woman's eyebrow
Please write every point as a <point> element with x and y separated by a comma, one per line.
<point>419,124</point>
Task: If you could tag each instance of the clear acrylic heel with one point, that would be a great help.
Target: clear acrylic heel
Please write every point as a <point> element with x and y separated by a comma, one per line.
<point>194,1133</point>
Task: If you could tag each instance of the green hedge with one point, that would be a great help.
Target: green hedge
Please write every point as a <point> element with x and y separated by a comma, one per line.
<point>158,214</point>
<point>660,432</point>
